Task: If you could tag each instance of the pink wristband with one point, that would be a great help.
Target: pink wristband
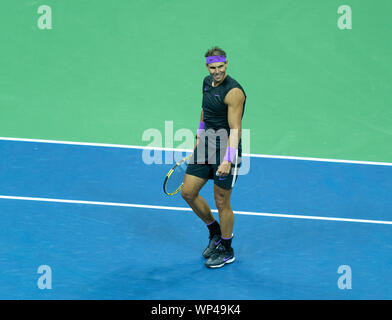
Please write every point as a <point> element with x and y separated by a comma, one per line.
<point>230,154</point>
<point>201,127</point>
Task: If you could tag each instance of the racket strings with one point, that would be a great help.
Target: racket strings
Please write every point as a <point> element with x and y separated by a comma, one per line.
<point>176,178</point>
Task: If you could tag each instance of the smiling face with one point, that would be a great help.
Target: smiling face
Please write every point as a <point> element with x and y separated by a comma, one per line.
<point>217,70</point>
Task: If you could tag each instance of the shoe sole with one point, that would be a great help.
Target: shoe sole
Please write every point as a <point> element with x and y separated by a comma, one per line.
<point>222,264</point>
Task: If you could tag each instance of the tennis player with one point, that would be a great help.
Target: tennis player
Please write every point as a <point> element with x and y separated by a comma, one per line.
<point>217,156</point>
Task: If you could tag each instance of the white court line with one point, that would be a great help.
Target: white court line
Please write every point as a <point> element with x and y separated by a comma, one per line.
<point>129,205</point>
<point>189,150</point>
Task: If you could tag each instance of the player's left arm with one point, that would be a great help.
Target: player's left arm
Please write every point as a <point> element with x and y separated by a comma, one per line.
<point>234,99</point>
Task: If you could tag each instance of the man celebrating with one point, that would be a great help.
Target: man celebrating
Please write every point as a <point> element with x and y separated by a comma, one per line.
<point>217,156</point>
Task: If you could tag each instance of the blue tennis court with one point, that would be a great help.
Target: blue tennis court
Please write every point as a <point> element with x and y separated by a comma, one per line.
<point>97,216</point>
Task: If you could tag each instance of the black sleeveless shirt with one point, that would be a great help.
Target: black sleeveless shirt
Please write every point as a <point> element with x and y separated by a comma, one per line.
<point>215,110</point>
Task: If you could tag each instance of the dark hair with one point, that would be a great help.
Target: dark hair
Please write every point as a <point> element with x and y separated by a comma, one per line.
<point>215,51</point>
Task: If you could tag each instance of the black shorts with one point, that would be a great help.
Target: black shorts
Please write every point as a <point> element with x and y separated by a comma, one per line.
<point>208,171</point>
<point>206,159</point>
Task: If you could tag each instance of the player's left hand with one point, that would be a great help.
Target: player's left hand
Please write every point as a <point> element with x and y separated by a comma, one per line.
<point>223,169</point>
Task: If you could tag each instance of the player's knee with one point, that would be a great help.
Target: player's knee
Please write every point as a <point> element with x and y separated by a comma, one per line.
<point>221,202</point>
<point>187,195</point>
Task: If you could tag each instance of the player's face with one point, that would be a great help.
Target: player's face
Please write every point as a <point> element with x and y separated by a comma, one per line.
<point>217,70</point>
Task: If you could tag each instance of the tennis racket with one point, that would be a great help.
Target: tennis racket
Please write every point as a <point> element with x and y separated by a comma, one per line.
<point>174,179</point>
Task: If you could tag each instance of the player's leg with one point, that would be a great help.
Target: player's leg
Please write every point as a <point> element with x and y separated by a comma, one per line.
<point>226,215</point>
<point>223,188</point>
<point>190,193</point>
<point>223,253</point>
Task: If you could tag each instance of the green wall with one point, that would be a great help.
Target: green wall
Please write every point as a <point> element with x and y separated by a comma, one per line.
<point>108,71</point>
